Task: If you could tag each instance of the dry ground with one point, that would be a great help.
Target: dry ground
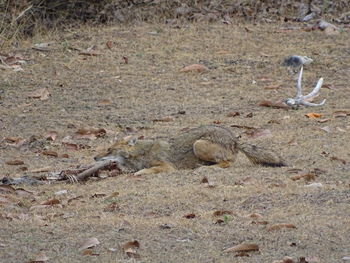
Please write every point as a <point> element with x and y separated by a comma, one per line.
<point>105,92</point>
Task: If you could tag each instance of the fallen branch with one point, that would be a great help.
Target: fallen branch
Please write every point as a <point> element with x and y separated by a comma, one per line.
<point>82,176</point>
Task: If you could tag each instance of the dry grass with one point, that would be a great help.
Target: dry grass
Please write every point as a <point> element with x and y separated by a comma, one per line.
<point>150,87</point>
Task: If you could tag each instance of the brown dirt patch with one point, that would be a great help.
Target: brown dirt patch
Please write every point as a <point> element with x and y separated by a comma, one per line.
<point>104,92</point>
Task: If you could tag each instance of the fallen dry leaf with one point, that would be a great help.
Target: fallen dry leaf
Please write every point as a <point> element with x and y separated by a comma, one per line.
<point>307,176</point>
<point>130,248</point>
<point>51,202</point>
<point>280,226</point>
<point>272,87</point>
<point>105,102</point>
<point>126,60</point>
<point>273,104</point>
<point>90,134</point>
<point>50,153</point>
<point>244,247</point>
<point>14,162</point>
<point>324,120</point>
<point>233,114</point>
<point>255,216</point>
<point>42,94</point>
<point>341,113</point>
<point>71,146</point>
<point>265,79</point>
<point>89,243</point>
<point>190,216</point>
<point>12,139</point>
<point>285,260</point>
<point>313,115</point>
<point>222,212</point>
<point>335,158</point>
<point>194,68</point>
<point>165,119</point>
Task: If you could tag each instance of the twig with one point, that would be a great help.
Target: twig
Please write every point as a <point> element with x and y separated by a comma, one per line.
<point>89,172</point>
<point>23,12</point>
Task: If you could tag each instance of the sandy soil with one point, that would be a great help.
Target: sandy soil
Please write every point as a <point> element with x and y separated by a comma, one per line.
<point>149,97</point>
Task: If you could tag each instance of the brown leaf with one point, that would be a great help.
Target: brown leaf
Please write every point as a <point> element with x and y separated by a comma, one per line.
<point>190,216</point>
<point>64,155</point>
<point>272,87</point>
<point>222,212</point>
<point>280,226</point>
<point>14,162</point>
<point>307,176</point>
<point>90,134</point>
<point>105,102</point>
<point>130,248</point>
<point>51,202</point>
<point>273,104</point>
<point>87,252</point>
<point>313,115</point>
<point>165,119</point>
<point>285,260</point>
<point>12,139</point>
<point>50,153</point>
<point>71,146</point>
<point>324,120</point>
<point>244,247</point>
<point>341,113</point>
<point>329,86</point>
<point>204,180</point>
<point>89,243</point>
<point>264,79</point>
<point>42,94</point>
<point>244,127</point>
<point>255,216</point>
<point>194,68</point>
<point>233,114</point>
<point>335,158</point>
